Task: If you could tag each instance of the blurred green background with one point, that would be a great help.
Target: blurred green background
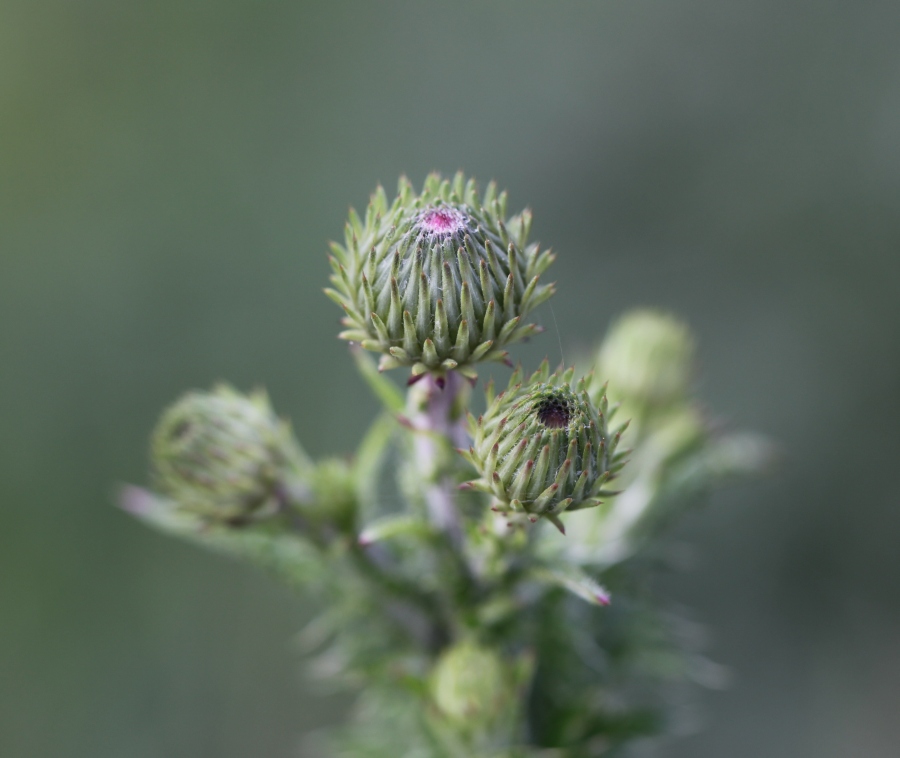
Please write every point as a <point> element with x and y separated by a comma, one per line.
<point>170,173</point>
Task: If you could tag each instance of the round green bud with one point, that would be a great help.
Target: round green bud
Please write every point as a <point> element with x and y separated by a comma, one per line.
<point>440,280</point>
<point>542,447</point>
<point>333,487</point>
<point>223,455</point>
<point>647,358</point>
<point>470,685</point>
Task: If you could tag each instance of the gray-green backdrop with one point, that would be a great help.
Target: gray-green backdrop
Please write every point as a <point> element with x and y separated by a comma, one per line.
<point>170,173</point>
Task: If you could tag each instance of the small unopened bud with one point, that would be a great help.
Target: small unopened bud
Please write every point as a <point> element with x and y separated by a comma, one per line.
<point>333,495</point>
<point>542,447</point>
<point>224,456</point>
<point>470,685</point>
<point>438,281</point>
<point>647,358</point>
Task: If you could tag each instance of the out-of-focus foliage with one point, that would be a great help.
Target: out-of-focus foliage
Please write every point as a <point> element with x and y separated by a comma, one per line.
<point>458,610</point>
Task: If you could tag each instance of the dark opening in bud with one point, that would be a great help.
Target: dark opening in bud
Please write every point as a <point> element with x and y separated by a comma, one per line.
<point>553,412</point>
<point>181,431</point>
<point>541,447</point>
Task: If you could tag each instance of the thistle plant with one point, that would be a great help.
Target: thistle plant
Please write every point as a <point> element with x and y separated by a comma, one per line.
<point>481,578</point>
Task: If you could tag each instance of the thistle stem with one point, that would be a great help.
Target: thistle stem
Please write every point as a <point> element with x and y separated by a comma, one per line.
<point>435,414</point>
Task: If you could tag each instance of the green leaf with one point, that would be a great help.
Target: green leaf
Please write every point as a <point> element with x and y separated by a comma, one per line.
<point>370,457</point>
<point>391,527</point>
<point>386,391</point>
<point>575,581</point>
<point>282,554</point>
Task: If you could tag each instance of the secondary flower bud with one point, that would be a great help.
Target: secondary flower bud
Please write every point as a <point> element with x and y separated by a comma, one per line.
<point>542,447</point>
<point>470,684</point>
<point>223,455</point>
<point>440,280</point>
<point>647,359</point>
<point>333,490</point>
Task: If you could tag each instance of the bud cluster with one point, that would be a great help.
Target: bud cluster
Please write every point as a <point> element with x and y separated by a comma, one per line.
<point>460,625</point>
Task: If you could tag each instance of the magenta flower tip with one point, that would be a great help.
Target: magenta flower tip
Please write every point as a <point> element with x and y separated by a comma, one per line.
<point>442,221</point>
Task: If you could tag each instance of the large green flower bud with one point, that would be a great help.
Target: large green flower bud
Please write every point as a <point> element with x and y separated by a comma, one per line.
<point>542,447</point>
<point>440,280</point>
<point>647,358</point>
<point>225,456</point>
<point>470,685</point>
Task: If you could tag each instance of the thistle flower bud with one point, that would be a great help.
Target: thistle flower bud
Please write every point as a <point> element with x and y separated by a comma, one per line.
<point>542,447</point>
<point>333,486</point>
<point>647,358</point>
<point>224,456</point>
<point>470,685</point>
<point>440,280</point>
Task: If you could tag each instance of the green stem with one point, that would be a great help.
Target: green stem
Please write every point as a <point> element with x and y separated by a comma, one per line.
<point>436,413</point>
<point>435,416</point>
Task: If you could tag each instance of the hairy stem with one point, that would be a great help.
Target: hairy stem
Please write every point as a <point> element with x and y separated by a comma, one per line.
<point>435,414</point>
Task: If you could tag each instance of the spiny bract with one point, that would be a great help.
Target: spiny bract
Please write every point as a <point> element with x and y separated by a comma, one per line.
<point>542,447</point>
<point>222,455</point>
<point>438,281</point>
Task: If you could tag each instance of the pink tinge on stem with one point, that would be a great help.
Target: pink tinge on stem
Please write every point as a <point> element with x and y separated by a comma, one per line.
<point>135,500</point>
